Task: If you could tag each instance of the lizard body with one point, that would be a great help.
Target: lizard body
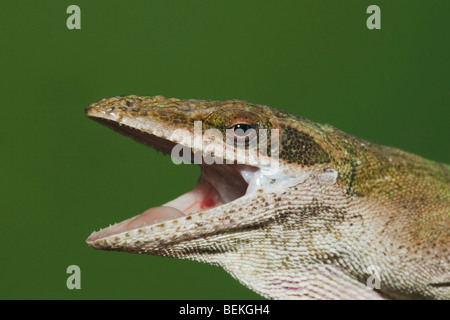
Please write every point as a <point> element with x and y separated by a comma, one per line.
<point>338,208</point>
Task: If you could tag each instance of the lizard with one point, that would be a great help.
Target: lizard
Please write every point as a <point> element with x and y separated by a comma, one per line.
<point>341,218</point>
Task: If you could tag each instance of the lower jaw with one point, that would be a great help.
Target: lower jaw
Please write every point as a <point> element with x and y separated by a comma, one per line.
<point>203,197</point>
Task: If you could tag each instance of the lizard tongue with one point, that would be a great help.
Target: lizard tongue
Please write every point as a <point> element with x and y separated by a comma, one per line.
<point>151,216</point>
<point>148,217</point>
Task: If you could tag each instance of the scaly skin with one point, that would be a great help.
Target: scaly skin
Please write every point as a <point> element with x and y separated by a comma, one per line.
<point>385,209</point>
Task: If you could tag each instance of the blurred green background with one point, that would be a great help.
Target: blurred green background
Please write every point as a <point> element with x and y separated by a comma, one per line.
<point>64,175</point>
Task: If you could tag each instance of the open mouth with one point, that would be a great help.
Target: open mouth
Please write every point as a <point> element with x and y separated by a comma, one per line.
<point>218,185</point>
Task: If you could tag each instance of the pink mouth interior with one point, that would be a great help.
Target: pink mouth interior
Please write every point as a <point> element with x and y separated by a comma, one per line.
<point>218,185</point>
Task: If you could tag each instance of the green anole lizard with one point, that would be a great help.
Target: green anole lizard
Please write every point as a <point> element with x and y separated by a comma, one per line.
<point>339,211</point>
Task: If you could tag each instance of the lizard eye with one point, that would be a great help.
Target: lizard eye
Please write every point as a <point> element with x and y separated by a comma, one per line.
<point>239,125</point>
<point>242,129</point>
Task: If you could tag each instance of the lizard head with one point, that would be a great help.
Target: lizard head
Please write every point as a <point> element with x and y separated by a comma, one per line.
<point>249,156</point>
<point>291,208</point>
